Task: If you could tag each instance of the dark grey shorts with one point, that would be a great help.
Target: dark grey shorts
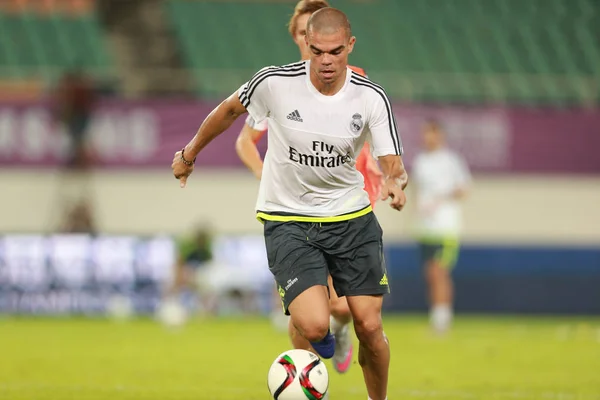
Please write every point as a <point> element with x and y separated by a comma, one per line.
<point>301,254</point>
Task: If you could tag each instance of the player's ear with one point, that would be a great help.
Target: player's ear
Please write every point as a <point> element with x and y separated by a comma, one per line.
<point>351,44</point>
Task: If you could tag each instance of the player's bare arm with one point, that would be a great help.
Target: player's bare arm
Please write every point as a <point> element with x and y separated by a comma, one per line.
<point>215,123</point>
<point>395,180</point>
<point>245,146</point>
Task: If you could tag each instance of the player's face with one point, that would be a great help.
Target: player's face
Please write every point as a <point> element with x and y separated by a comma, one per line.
<point>300,36</point>
<point>329,54</point>
<point>432,138</point>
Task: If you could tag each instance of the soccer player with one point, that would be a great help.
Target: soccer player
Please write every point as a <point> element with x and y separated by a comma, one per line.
<point>246,148</point>
<point>442,181</point>
<point>193,254</point>
<point>316,214</point>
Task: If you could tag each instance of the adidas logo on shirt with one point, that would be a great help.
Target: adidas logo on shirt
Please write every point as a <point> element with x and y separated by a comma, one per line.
<point>295,116</point>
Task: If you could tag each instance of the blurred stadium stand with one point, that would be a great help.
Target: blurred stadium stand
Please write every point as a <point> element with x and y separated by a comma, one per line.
<point>535,52</point>
<point>42,39</point>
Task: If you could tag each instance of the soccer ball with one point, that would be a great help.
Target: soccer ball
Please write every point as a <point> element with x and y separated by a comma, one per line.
<point>298,375</point>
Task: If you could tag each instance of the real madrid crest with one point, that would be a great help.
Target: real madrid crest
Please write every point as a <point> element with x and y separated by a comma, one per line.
<point>357,123</point>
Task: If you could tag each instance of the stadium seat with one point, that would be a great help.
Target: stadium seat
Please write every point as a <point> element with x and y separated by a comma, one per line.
<point>469,51</point>
<point>44,38</point>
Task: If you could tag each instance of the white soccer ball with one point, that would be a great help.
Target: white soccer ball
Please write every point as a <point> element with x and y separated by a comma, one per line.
<point>298,375</point>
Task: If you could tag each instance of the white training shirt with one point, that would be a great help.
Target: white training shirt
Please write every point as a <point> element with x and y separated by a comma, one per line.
<point>437,175</point>
<point>314,139</point>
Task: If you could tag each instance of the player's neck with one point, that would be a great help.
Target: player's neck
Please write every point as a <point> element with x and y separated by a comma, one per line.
<point>331,88</point>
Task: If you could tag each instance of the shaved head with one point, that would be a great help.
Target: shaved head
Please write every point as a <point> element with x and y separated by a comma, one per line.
<point>328,21</point>
<point>329,41</point>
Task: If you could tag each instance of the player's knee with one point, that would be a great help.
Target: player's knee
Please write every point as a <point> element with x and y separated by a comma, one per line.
<point>368,329</point>
<point>315,330</point>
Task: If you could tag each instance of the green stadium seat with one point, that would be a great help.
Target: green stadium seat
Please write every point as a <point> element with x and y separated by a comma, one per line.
<point>36,44</point>
<point>467,51</point>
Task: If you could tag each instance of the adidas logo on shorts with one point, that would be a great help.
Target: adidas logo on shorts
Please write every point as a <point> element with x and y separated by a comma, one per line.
<point>384,280</point>
<point>295,116</point>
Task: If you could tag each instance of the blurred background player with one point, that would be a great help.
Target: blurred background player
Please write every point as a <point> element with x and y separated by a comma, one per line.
<point>194,252</point>
<point>442,179</point>
<point>74,102</point>
<point>202,282</point>
<point>248,152</point>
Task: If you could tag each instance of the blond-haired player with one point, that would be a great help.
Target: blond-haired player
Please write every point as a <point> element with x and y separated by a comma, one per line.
<point>247,150</point>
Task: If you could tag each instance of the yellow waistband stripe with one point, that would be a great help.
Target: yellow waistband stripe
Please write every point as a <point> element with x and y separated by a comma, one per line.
<point>262,216</point>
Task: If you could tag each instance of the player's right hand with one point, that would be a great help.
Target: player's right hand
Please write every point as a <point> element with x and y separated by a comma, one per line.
<point>181,170</point>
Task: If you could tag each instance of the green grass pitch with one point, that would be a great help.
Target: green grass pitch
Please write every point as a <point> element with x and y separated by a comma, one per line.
<point>227,359</point>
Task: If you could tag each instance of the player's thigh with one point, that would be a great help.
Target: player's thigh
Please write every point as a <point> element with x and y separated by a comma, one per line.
<point>333,297</point>
<point>310,312</point>
<point>355,256</point>
<point>366,307</point>
<point>294,262</point>
<point>366,313</point>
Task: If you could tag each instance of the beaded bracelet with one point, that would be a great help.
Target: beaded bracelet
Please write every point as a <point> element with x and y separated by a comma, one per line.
<point>186,162</point>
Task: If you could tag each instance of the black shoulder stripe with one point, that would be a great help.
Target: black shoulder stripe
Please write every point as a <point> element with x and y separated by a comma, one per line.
<point>252,83</point>
<point>289,67</point>
<point>279,67</point>
<point>295,64</point>
<point>251,86</point>
<point>259,74</point>
<point>390,114</point>
<point>366,79</point>
<point>246,97</point>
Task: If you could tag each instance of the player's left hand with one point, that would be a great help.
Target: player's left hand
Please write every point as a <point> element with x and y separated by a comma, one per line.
<point>392,190</point>
<point>181,170</point>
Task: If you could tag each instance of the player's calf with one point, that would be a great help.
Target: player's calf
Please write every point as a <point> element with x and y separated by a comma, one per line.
<point>340,313</point>
<point>373,352</point>
<point>338,307</point>
<point>340,318</point>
